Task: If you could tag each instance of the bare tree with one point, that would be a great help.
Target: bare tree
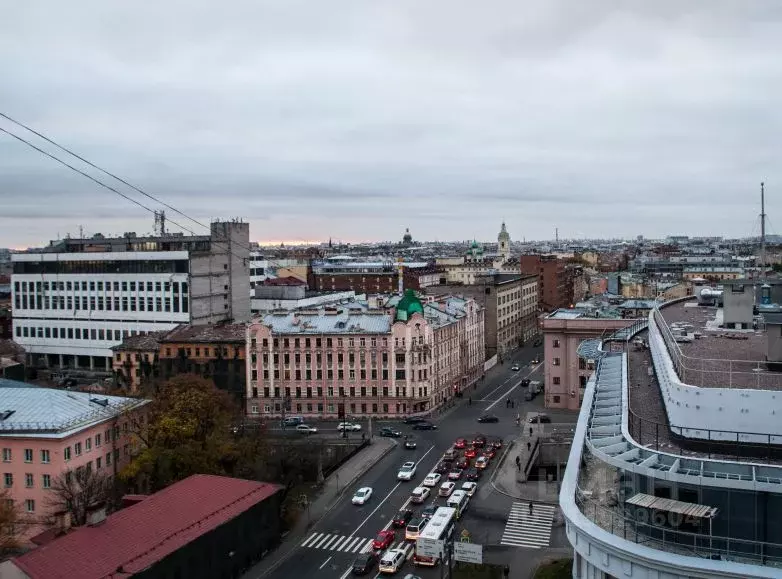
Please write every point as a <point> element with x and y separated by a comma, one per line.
<point>9,519</point>
<point>76,490</point>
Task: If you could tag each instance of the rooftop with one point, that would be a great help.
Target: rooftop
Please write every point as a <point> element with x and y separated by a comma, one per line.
<point>207,334</point>
<point>284,281</point>
<point>603,313</point>
<point>51,413</point>
<point>134,538</point>
<point>354,320</point>
<point>719,358</point>
<point>140,342</point>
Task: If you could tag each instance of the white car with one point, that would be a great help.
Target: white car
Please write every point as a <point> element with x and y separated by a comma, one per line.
<point>306,429</point>
<point>470,488</point>
<point>349,426</point>
<point>432,479</point>
<point>392,561</point>
<point>407,472</point>
<point>419,495</point>
<point>362,496</point>
<point>447,488</point>
<point>515,368</point>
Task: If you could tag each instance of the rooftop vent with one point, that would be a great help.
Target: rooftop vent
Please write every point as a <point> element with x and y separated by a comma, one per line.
<point>6,414</point>
<point>100,401</point>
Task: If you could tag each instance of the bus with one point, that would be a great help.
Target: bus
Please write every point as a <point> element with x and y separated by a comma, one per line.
<point>439,528</point>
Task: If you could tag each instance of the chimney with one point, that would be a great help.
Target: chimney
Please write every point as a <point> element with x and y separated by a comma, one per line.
<point>96,514</point>
<point>62,521</point>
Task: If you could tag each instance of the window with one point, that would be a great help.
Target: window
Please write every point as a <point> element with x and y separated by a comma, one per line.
<point>88,444</point>
<point>6,455</point>
<point>556,362</point>
<point>108,459</point>
<point>77,448</point>
<point>66,453</point>
<point>46,481</point>
<point>28,455</point>
<point>29,505</point>
<point>555,380</point>
<point>29,480</point>
<point>556,343</point>
<point>8,480</point>
<point>97,440</point>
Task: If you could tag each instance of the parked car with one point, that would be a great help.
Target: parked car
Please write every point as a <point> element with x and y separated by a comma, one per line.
<point>348,426</point>
<point>364,563</point>
<point>424,425</point>
<point>306,429</point>
<point>362,495</point>
<point>402,518</point>
<point>540,419</point>
<point>292,421</point>
<point>389,432</point>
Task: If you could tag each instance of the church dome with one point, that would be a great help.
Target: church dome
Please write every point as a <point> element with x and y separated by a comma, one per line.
<point>407,238</point>
<point>408,305</point>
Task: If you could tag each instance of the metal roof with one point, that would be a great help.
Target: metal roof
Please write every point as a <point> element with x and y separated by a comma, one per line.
<point>672,506</point>
<point>342,322</point>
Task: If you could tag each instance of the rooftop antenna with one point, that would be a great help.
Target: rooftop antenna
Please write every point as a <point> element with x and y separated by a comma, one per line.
<point>81,232</point>
<point>160,223</point>
<point>556,234</point>
<point>763,231</point>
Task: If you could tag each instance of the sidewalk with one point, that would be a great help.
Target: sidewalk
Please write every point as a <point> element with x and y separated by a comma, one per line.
<point>510,481</point>
<point>329,496</point>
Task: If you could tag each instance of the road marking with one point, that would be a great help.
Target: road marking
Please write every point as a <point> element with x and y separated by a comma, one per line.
<point>325,562</point>
<point>493,404</point>
<point>322,541</point>
<point>349,544</point>
<point>333,543</point>
<point>487,396</point>
<point>312,538</point>
<point>340,542</point>
<point>528,530</point>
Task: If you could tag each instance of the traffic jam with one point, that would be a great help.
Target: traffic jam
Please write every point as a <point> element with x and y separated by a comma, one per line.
<point>432,509</point>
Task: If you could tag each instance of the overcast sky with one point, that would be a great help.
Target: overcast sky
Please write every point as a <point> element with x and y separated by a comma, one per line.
<point>356,119</point>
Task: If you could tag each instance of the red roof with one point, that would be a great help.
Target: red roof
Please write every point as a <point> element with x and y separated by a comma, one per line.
<point>136,537</point>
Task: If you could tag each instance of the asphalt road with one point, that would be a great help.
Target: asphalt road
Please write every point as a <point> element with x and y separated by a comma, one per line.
<point>329,549</point>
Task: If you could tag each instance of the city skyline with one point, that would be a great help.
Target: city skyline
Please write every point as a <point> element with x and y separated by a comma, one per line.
<point>359,121</point>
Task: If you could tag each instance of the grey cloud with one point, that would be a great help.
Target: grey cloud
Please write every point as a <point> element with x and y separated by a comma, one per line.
<point>356,119</point>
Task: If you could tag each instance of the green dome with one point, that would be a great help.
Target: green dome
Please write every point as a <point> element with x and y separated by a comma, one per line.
<point>408,305</point>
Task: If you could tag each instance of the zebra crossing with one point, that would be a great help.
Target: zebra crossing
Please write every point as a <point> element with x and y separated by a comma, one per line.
<point>338,543</point>
<point>529,530</point>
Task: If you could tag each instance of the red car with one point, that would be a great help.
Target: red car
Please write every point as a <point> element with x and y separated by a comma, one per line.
<point>383,540</point>
<point>490,452</point>
<point>463,463</point>
<point>479,442</point>
<point>460,443</point>
<point>470,453</point>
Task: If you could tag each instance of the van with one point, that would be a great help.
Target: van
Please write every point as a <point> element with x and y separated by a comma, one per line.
<point>293,421</point>
<point>450,454</point>
<point>458,500</point>
<point>392,561</point>
<point>414,529</point>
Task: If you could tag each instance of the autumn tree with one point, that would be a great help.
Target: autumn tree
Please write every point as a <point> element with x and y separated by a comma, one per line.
<point>9,519</point>
<point>76,490</point>
<point>189,430</point>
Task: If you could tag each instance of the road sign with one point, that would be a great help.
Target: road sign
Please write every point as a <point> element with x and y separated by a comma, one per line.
<point>468,553</point>
<point>429,548</point>
<point>466,536</point>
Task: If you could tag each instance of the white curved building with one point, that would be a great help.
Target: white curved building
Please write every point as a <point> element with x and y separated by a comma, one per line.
<point>694,494</point>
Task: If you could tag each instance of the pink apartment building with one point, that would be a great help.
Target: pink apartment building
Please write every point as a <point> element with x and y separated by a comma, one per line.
<point>399,358</point>
<point>566,373</point>
<point>45,432</point>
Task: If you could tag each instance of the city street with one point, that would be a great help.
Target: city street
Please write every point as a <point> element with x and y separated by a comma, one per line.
<point>331,545</point>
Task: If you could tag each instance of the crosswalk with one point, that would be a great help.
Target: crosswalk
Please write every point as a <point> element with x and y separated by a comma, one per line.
<point>529,530</point>
<point>338,543</point>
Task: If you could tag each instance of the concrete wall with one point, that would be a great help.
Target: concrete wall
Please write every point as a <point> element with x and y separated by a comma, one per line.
<point>280,292</point>
<point>737,305</point>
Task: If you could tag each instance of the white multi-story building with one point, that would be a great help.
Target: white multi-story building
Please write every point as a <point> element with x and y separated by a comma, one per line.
<point>75,299</point>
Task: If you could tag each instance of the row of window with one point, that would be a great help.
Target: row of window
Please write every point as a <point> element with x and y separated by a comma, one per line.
<point>306,375</point>
<point>140,266</point>
<point>29,480</point>
<point>59,333</point>
<point>330,408</point>
<point>308,343</point>
<point>351,391</point>
<point>44,455</point>
<point>101,304</point>
<point>38,286</point>
<point>29,505</point>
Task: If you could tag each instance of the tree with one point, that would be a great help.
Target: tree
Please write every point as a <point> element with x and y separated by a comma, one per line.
<point>76,490</point>
<point>189,431</point>
<point>9,519</point>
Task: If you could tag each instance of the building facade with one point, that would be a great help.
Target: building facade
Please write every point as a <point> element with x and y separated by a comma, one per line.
<point>566,372</point>
<point>76,299</point>
<point>370,277</point>
<point>136,361</point>
<point>404,358</point>
<point>552,280</point>
<point>45,432</point>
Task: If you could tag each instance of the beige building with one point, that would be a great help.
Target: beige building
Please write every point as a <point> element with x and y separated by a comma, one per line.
<point>530,326</point>
<point>713,273</point>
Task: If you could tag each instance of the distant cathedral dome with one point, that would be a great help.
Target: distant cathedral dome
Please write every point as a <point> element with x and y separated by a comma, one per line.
<point>407,239</point>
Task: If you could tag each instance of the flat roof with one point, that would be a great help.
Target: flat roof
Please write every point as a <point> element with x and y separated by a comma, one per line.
<point>135,538</point>
<point>207,334</point>
<point>720,357</point>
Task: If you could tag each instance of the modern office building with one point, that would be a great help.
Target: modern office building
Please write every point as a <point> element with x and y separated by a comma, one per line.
<point>76,298</point>
<point>676,465</point>
<point>402,357</point>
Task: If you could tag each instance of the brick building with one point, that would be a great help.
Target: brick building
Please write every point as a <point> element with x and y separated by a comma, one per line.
<point>552,280</point>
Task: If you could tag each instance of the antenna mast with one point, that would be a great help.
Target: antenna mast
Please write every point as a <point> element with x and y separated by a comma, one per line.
<point>763,231</point>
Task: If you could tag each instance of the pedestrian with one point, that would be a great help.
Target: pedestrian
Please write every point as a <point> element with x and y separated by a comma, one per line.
<point>530,431</point>
<point>529,445</point>
<point>530,508</point>
<point>469,400</point>
<point>518,463</point>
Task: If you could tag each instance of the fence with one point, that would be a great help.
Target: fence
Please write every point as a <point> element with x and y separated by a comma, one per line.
<point>657,535</point>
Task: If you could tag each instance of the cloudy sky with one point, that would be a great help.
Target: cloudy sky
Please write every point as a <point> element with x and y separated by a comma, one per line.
<point>356,119</point>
